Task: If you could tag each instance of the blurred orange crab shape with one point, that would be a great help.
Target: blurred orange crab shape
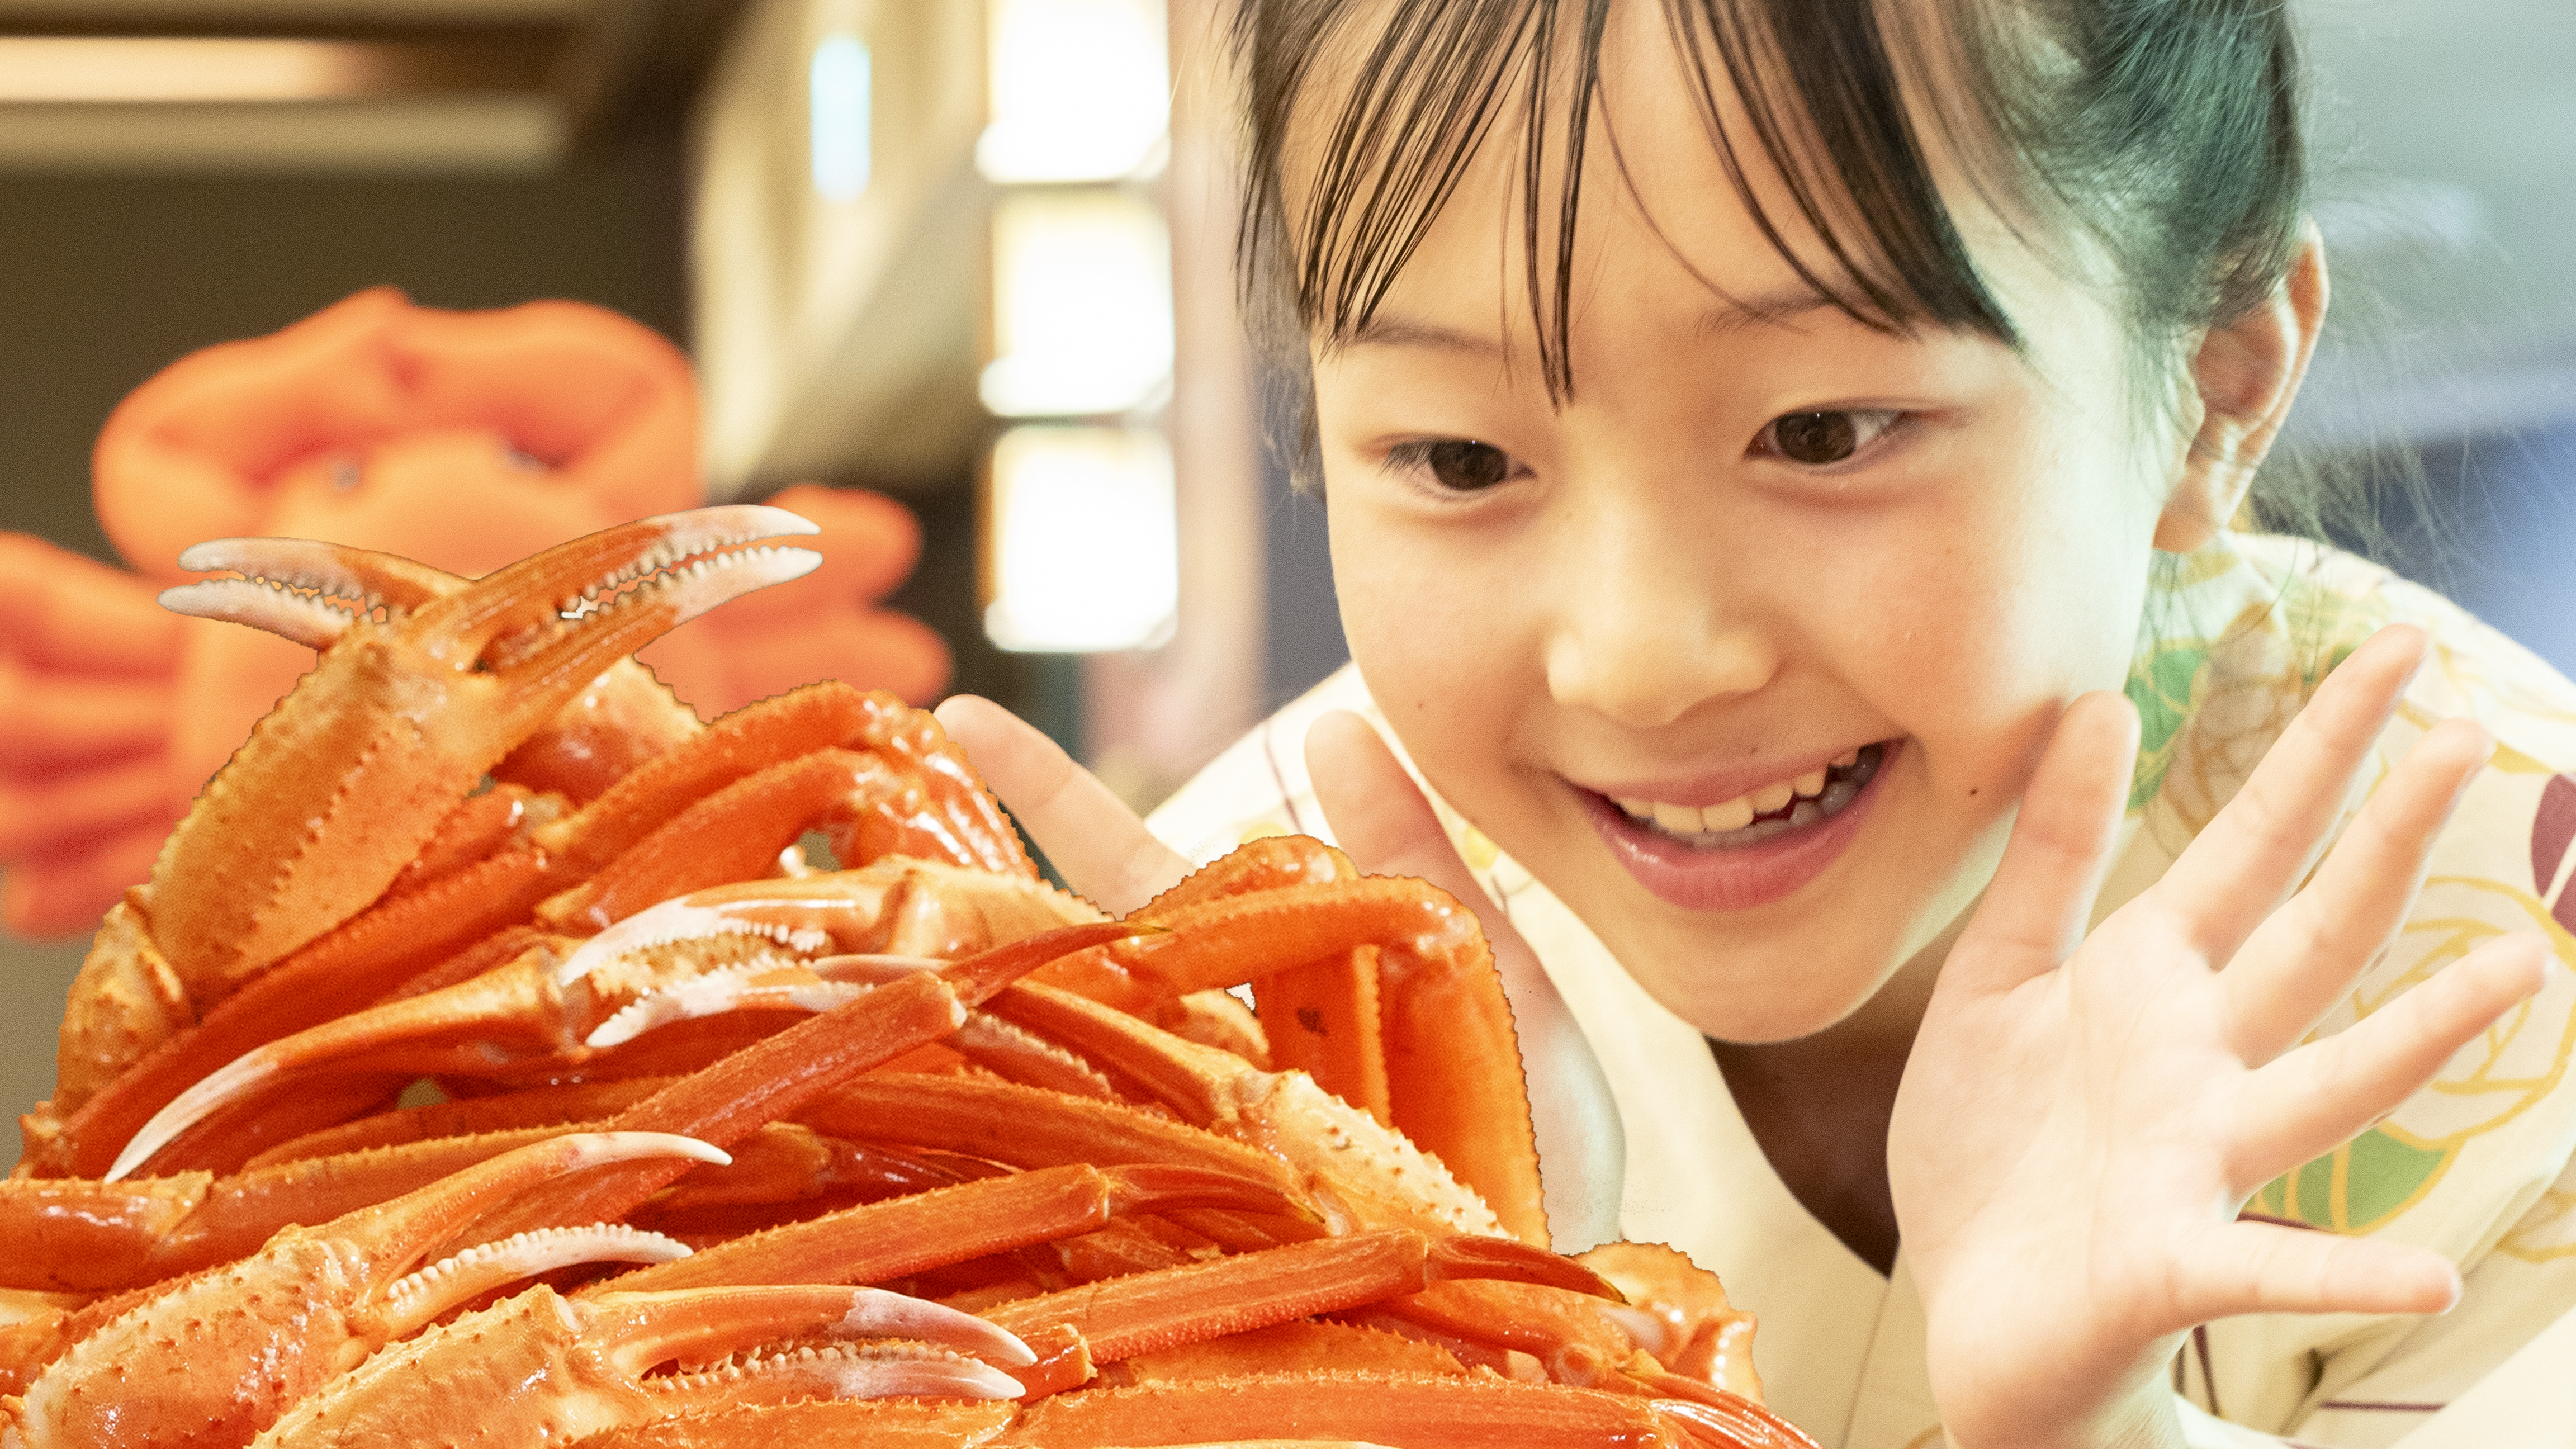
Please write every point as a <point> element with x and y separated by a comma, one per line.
<point>464,440</point>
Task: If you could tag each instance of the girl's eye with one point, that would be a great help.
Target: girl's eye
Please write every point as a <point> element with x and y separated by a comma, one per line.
<point>1458,465</point>
<point>1819,439</point>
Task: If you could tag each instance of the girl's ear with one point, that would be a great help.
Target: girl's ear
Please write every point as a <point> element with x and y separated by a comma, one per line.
<point>2243,379</point>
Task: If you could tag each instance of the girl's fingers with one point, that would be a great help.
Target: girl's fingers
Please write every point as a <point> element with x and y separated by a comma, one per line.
<point>2320,1096</point>
<point>2299,962</point>
<point>1380,819</point>
<point>1094,841</point>
<point>2266,1268</point>
<point>1377,813</point>
<point>2257,847</point>
<point>2036,908</point>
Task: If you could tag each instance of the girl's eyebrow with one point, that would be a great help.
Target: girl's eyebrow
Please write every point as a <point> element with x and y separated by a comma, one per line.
<point>1770,309</point>
<point>1732,315</point>
<point>1387,330</point>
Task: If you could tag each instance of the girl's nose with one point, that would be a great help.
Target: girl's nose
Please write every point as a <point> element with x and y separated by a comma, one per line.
<point>1645,635</point>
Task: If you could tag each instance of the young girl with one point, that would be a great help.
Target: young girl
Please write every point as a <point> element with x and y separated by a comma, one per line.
<point>1764,441</point>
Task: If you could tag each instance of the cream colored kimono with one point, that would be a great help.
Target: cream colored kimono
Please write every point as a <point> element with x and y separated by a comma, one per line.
<point>2475,1166</point>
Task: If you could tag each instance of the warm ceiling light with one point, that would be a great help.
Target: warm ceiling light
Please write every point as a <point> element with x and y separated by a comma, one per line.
<point>118,69</point>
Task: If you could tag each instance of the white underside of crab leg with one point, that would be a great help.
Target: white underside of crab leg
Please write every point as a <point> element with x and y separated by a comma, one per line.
<point>735,988</point>
<point>417,1298</point>
<point>186,1110</point>
<point>680,920</point>
<point>814,986</point>
<point>307,619</point>
<point>847,1371</point>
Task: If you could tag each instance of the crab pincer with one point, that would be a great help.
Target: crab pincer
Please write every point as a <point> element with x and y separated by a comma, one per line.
<point>216,1359</point>
<point>340,787</point>
<point>583,1366</point>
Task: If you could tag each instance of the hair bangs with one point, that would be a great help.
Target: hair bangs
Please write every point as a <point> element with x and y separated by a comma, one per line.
<point>1813,82</point>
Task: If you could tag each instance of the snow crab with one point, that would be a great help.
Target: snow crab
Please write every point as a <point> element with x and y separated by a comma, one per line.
<point>345,851</point>
<point>708,1126</point>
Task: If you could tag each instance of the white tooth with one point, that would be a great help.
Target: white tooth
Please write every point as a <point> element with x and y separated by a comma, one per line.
<point>1679,819</point>
<point>1735,814</point>
<point>1636,809</point>
<point>1846,759</point>
<point>1771,797</point>
<point>1807,813</point>
<point>1811,783</point>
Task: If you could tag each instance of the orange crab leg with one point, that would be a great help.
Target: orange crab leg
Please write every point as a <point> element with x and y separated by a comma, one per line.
<point>1283,1112</point>
<point>819,985</point>
<point>544,1012</point>
<point>786,1173</point>
<point>77,1233</point>
<point>890,1240</point>
<point>560,1106</point>
<point>876,1423</point>
<point>1690,1326</point>
<point>1273,862</point>
<point>750,739</point>
<point>1145,1312</point>
<point>90,1236</point>
<point>474,831</point>
<point>362,960</point>
<point>777,1076</point>
<point>214,1360</point>
<point>511,1012</point>
<point>955,819</point>
<point>1419,1411</point>
<point>1451,1058</point>
<point>1324,1019</point>
<point>736,834</point>
<point>1027,1127</point>
<point>581,1366</point>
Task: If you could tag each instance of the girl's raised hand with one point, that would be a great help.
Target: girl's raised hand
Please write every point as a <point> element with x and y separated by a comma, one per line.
<point>1387,828</point>
<point>2083,1116</point>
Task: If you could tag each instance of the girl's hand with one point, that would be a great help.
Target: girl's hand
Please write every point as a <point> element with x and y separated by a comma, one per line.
<point>1386,827</point>
<point>1096,844</point>
<point>2082,1117</point>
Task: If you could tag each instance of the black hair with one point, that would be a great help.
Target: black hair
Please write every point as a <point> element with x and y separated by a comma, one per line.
<point>2164,133</point>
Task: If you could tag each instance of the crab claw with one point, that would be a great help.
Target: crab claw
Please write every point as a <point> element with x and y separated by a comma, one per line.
<point>311,593</point>
<point>587,1363</point>
<point>303,589</point>
<point>215,1359</point>
<point>347,779</point>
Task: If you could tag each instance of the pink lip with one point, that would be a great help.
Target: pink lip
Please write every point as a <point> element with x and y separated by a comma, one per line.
<point>1716,789</point>
<point>1738,878</point>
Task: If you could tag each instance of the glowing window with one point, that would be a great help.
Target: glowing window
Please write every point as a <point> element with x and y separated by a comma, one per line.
<point>1085,547</point>
<point>1080,90</point>
<point>837,88</point>
<point>1082,304</point>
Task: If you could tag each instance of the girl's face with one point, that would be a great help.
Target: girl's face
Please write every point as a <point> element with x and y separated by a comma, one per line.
<point>1762,548</point>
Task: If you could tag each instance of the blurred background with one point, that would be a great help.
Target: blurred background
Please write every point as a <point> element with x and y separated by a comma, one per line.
<point>975,255</point>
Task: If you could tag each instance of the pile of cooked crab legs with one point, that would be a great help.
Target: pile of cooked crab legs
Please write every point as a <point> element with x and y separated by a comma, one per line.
<point>423,1095</point>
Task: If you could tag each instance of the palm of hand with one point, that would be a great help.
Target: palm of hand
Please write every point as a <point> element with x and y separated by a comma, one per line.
<point>2083,1116</point>
<point>2097,1091</point>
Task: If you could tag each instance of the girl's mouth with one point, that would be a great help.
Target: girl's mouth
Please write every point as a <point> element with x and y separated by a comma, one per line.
<point>1748,819</point>
<point>1748,851</point>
